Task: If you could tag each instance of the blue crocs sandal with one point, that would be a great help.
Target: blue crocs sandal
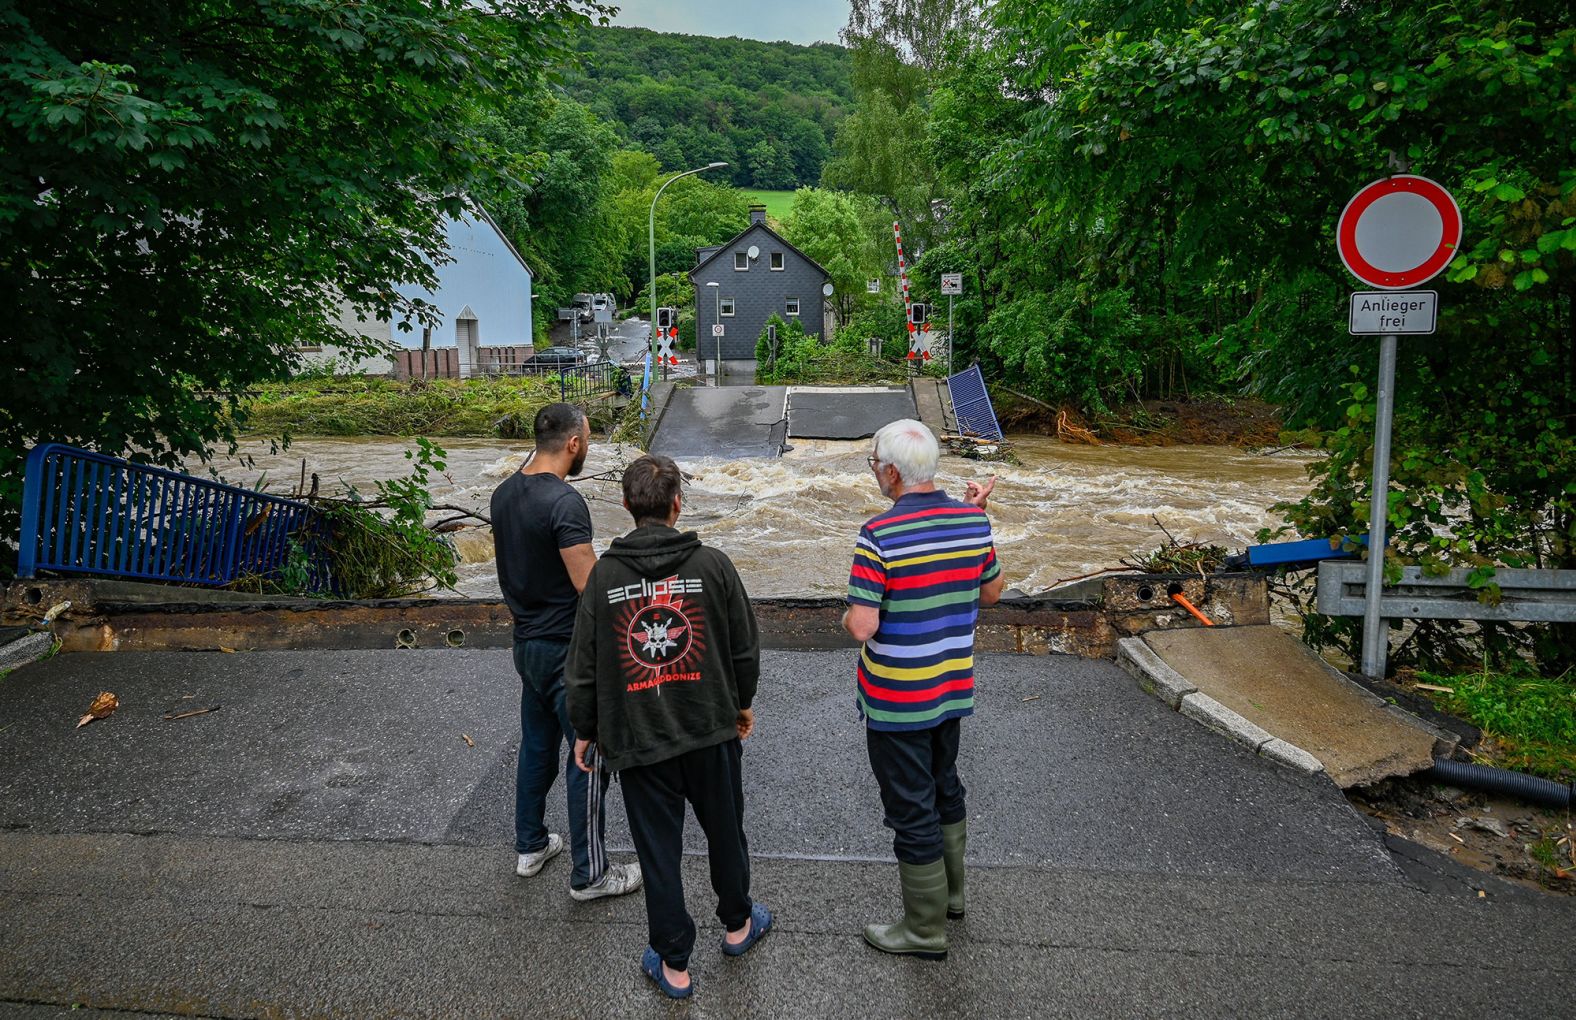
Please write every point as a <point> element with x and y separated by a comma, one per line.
<point>651,963</point>
<point>760,924</point>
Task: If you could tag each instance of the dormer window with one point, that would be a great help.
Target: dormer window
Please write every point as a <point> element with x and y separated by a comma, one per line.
<point>741,261</point>
<point>777,261</point>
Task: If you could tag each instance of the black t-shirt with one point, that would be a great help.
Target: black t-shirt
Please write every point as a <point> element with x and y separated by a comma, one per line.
<point>533,517</point>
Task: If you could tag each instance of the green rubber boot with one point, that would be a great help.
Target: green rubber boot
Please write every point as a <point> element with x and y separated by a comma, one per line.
<point>923,930</point>
<point>954,840</point>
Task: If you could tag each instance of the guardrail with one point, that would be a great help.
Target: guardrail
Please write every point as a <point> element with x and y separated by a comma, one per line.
<point>1525,596</point>
<point>89,513</point>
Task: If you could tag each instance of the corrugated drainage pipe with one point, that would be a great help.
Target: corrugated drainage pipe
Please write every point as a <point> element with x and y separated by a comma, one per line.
<point>1483,778</point>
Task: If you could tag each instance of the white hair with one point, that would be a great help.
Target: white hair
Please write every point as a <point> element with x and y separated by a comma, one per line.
<point>911,448</point>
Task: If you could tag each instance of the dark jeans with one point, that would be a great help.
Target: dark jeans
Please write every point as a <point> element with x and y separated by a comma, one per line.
<point>544,730</point>
<point>920,789</point>
<point>710,780</point>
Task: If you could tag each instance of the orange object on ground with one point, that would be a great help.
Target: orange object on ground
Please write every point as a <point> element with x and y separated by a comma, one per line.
<point>1181,600</point>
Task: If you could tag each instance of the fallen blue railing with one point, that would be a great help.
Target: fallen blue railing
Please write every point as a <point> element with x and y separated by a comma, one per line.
<point>88,513</point>
<point>971,404</point>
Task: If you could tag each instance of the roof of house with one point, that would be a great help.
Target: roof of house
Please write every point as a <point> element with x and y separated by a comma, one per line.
<point>754,226</point>
<point>487,217</point>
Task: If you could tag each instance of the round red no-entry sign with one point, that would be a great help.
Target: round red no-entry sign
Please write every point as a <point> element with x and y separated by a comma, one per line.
<point>1399,232</point>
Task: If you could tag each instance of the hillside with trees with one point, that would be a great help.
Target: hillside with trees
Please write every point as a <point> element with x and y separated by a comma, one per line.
<point>770,110</point>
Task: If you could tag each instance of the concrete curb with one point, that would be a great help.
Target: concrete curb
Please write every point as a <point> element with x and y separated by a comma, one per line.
<point>1202,708</point>
<point>24,650</point>
<point>1155,676</point>
<point>1152,673</point>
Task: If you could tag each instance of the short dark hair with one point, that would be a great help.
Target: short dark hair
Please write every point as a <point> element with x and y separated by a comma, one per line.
<point>650,484</point>
<point>554,426</point>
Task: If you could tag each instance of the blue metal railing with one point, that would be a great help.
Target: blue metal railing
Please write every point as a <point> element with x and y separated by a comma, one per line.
<point>88,513</point>
<point>971,404</point>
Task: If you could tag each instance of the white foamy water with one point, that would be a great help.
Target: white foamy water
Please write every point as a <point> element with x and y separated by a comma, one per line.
<point>789,524</point>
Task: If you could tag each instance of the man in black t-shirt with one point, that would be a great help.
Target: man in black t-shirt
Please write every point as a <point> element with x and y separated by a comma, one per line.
<point>542,532</point>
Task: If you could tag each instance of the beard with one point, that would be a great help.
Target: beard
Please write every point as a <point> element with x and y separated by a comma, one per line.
<point>580,462</point>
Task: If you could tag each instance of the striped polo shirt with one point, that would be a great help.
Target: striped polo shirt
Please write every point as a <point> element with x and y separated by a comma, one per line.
<point>922,563</point>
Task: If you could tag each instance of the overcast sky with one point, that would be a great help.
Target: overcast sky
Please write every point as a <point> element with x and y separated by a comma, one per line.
<point>800,21</point>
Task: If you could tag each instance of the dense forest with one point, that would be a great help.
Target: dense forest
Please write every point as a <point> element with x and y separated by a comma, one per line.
<point>769,110</point>
<point>1143,199</point>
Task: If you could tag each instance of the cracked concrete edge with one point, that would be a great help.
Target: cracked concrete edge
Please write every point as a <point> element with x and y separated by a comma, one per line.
<point>1445,742</point>
<point>1152,672</point>
<point>1157,677</point>
<point>24,650</point>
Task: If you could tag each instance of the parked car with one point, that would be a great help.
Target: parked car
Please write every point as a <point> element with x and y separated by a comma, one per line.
<point>555,358</point>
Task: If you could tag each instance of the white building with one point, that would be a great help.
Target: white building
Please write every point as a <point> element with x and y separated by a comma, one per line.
<point>483,296</point>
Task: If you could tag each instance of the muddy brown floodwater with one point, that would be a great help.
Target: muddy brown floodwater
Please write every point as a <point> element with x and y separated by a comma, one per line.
<point>789,524</point>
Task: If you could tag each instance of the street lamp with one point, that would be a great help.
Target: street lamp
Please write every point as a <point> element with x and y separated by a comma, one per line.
<point>716,369</point>
<point>651,240</point>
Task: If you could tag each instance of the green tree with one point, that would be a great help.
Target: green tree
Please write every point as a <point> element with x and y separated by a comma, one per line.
<point>560,215</point>
<point>838,231</point>
<point>770,166</point>
<point>692,213</point>
<point>1196,161</point>
<point>188,188</point>
<point>689,99</point>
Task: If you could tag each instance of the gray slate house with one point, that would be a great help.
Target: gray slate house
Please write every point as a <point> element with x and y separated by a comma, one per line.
<point>779,279</point>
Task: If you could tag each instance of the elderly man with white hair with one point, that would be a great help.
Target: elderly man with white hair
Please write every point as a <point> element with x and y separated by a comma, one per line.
<point>921,572</point>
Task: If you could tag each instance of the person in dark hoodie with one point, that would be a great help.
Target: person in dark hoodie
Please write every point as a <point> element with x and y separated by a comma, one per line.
<point>661,675</point>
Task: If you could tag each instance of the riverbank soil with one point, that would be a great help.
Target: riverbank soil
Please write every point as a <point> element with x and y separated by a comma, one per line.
<point>1516,841</point>
<point>1201,421</point>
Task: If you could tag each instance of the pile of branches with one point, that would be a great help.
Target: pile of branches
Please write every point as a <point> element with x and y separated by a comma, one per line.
<point>1178,557</point>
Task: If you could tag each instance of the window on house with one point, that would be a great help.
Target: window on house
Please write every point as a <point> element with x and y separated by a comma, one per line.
<point>792,306</point>
<point>727,306</point>
<point>741,261</point>
<point>777,261</point>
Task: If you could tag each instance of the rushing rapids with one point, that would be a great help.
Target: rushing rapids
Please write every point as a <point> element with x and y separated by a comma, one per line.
<point>789,524</point>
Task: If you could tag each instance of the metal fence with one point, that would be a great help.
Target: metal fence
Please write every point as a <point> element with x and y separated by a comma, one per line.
<point>971,404</point>
<point>87,513</point>
<point>580,382</point>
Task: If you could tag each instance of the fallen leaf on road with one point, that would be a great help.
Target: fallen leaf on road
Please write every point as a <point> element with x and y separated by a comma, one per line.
<point>1482,895</point>
<point>1032,697</point>
<point>227,651</point>
<point>102,706</point>
<point>468,741</point>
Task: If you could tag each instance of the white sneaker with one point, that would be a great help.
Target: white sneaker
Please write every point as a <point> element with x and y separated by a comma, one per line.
<point>530,864</point>
<point>617,880</point>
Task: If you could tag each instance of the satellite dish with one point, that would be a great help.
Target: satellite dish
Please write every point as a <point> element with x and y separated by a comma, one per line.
<point>827,290</point>
<point>754,252</point>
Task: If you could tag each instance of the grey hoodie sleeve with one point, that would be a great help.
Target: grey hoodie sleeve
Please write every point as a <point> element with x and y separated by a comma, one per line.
<point>744,637</point>
<point>580,668</point>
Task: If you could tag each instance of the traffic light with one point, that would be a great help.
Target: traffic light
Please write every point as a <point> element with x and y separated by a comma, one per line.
<point>920,312</point>
<point>664,319</point>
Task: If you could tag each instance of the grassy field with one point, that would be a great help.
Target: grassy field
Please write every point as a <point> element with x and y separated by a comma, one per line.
<point>777,202</point>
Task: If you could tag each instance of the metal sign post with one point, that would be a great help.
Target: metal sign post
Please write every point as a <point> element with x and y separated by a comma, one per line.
<point>1375,643</point>
<point>951,285</point>
<point>1396,233</point>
